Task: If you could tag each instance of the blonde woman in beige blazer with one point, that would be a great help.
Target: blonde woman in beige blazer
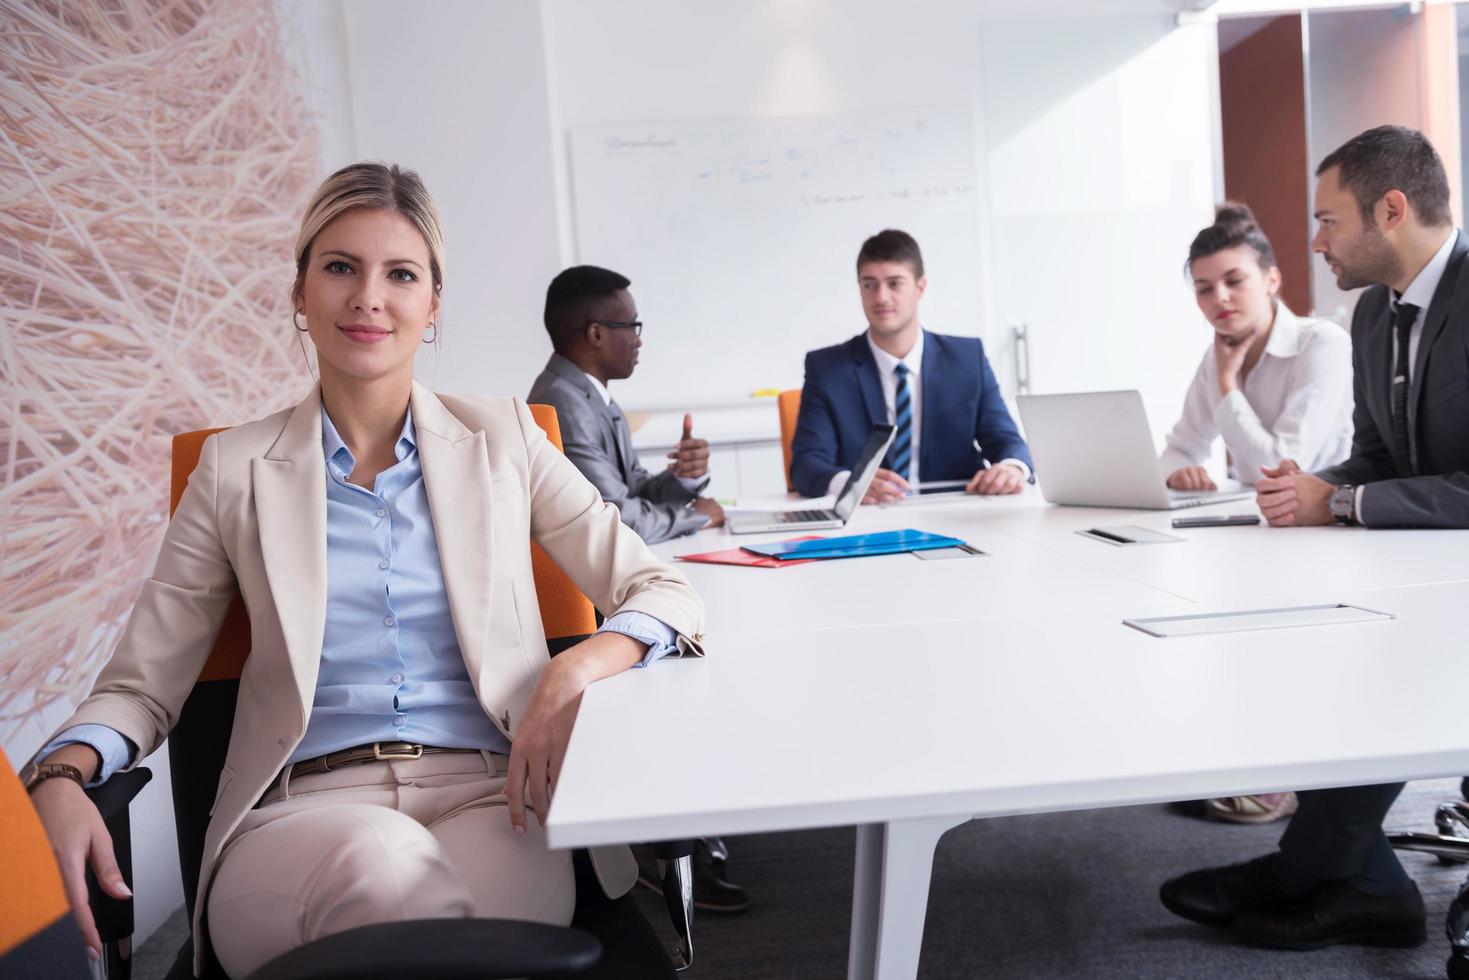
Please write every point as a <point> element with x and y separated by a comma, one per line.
<point>292,852</point>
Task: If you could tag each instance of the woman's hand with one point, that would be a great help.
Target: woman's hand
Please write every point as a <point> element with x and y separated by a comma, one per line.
<point>541,740</point>
<point>1229,359</point>
<point>79,838</point>
<point>1191,478</point>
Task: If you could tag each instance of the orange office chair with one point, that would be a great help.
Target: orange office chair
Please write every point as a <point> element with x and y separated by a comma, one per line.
<point>789,404</point>
<point>566,613</point>
<point>197,747</point>
<point>38,937</point>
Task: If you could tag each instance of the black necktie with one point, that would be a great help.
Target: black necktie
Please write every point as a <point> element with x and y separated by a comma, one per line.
<point>1401,444</point>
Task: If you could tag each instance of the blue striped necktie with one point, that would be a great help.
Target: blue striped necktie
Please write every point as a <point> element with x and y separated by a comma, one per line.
<point>902,451</point>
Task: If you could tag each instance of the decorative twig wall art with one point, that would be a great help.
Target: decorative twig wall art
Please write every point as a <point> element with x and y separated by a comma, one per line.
<point>155,156</point>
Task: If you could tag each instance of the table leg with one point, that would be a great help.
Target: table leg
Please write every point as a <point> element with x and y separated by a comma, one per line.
<point>890,896</point>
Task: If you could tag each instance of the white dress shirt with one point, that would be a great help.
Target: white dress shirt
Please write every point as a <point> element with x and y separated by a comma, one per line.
<point>601,389</point>
<point>1420,293</point>
<point>887,373</point>
<point>1296,403</point>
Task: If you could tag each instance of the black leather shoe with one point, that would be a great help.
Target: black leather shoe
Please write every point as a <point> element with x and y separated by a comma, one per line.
<point>1339,912</point>
<point>1216,896</point>
<point>712,893</point>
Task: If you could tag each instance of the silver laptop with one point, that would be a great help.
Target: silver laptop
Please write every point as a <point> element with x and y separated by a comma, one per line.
<point>1094,449</point>
<point>752,521</point>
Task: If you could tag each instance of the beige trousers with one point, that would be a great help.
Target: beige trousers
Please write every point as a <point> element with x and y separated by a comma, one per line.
<point>380,842</point>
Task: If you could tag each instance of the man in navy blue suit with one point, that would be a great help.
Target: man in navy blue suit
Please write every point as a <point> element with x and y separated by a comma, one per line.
<point>938,390</point>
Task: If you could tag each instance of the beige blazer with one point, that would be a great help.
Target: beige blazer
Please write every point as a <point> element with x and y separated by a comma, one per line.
<point>253,520</point>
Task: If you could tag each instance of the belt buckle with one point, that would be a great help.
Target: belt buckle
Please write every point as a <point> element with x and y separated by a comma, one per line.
<point>413,752</point>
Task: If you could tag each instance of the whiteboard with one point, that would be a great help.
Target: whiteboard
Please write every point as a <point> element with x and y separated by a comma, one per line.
<point>740,237</point>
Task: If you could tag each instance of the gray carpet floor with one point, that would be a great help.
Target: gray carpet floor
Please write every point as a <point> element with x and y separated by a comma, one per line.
<point>1059,895</point>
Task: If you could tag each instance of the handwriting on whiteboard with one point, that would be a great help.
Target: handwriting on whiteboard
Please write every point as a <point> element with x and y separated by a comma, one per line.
<point>897,194</point>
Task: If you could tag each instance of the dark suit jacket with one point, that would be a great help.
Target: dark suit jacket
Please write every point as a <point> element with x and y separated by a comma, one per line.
<point>1436,492</point>
<point>597,439</point>
<point>842,400</point>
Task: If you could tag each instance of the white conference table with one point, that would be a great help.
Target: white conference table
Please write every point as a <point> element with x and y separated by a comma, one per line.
<point>908,696</point>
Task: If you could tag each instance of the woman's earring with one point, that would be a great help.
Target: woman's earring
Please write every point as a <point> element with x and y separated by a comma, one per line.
<point>435,328</point>
<point>296,324</point>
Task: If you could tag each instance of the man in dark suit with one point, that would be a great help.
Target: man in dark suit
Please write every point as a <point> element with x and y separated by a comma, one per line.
<point>1382,201</point>
<point>938,390</point>
<point>596,334</point>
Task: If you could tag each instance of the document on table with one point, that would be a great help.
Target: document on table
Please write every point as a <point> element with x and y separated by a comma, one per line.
<point>856,545</point>
<point>739,556</point>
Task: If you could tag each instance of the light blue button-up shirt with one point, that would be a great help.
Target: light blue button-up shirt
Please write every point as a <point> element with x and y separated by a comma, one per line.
<point>391,667</point>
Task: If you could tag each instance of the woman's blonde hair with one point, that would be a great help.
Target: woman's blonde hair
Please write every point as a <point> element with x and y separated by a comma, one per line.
<point>381,186</point>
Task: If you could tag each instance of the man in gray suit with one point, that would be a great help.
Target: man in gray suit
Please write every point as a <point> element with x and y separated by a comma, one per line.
<point>595,332</point>
<point>1382,201</point>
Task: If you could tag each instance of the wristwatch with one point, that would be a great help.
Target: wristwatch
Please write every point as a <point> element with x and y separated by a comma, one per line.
<point>1343,504</point>
<point>33,774</point>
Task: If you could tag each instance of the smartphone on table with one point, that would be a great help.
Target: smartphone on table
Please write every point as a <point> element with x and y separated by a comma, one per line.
<point>1217,520</point>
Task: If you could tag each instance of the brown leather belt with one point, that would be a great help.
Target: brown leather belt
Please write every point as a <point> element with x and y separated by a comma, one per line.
<point>376,752</point>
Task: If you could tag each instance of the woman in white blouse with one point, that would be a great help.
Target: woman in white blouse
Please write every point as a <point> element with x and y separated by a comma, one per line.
<point>1273,384</point>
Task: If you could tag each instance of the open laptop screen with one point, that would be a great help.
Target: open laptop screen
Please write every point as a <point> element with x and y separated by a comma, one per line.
<point>865,469</point>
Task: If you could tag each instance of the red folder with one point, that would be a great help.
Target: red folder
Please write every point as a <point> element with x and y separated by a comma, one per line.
<point>738,556</point>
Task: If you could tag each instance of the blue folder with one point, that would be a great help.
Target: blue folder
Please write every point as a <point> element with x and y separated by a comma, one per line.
<point>856,545</point>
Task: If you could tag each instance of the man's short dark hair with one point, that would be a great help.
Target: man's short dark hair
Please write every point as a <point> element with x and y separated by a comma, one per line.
<point>571,297</point>
<point>891,245</point>
<point>1393,158</point>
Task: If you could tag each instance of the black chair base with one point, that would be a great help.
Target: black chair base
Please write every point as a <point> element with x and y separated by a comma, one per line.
<point>675,867</point>
<point>445,949</point>
<point>113,916</point>
<point>1448,849</point>
<point>197,746</point>
<point>1451,846</point>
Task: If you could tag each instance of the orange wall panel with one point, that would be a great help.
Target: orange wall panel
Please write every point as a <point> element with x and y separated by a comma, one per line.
<point>1262,93</point>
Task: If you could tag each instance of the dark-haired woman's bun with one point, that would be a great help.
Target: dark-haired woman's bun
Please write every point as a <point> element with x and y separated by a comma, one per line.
<point>1234,224</point>
<point>1233,213</point>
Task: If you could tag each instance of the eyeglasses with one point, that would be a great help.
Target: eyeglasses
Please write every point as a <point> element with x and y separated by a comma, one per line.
<point>636,326</point>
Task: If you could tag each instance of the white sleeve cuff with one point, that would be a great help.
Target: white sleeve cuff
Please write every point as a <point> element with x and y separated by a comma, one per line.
<point>1019,464</point>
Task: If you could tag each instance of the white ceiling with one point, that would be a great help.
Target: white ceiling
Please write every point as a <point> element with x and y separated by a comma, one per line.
<point>1040,9</point>
<point>992,10</point>
<point>1044,9</point>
